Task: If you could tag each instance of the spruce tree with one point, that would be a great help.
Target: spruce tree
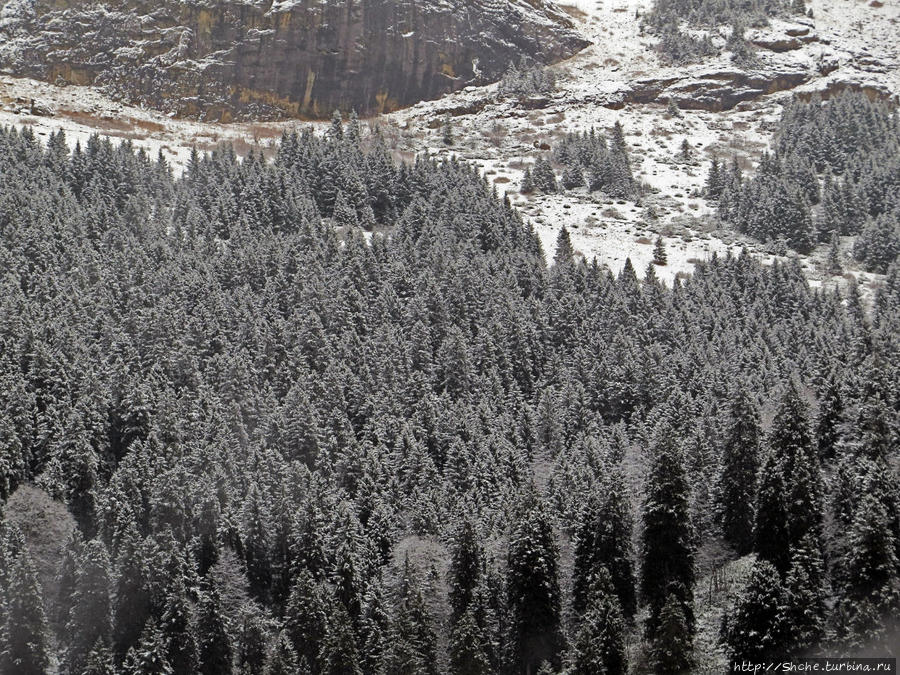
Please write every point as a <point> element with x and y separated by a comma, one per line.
<point>867,574</point>
<point>339,655</point>
<point>834,255</point>
<point>533,588</point>
<point>251,642</point>
<point>100,661</point>
<point>804,603</point>
<point>468,655</point>
<point>755,629</point>
<point>565,253</point>
<point>447,135</point>
<point>257,545</point>
<point>411,645</point>
<point>465,569</point>
<point>24,644</point>
<point>148,657</point>
<point>572,178</point>
<point>543,177</point>
<point>603,544</point>
<point>828,420</point>
<point>177,631</point>
<point>672,643</point>
<point>214,649</point>
<point>791,440</point>
<point>667,542</point>
<point>306,619</point>
<point>771,539</point>
<point>714,181</point>
<point>131,605</point>
<point>527,186</point>
<point>282,658</point>
<point>736,489</point>
<point>659,252</point>
<point>599,644</point>
<point>90,618</point>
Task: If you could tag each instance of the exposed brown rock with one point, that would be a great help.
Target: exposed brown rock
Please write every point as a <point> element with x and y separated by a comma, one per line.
<point>228,59</point>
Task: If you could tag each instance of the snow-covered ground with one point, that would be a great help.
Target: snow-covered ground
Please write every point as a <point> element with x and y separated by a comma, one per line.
<point>857,39</point>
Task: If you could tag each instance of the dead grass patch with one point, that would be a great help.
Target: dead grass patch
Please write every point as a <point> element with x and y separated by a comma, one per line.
<point>573,11</point>
<point>104,123</point>
<point>149,125</point>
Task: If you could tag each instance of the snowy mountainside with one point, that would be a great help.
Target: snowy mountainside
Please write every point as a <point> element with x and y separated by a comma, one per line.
<point>619,77</point>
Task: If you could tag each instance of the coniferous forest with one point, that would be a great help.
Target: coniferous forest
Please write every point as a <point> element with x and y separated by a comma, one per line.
<point>272,442</point>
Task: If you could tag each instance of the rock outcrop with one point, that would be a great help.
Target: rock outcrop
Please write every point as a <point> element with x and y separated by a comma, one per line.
<point>231,59</point>
<point>716,89</point>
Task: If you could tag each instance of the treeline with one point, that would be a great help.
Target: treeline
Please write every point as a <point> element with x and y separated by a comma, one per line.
<point>527,79</point>
<point>835,171</point>
<point>668,20</point>
<point>721,12</point>
<point>288,449</point>
<point>588,160</point>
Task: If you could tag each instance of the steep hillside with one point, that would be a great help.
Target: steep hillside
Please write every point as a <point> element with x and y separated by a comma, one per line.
<point>240,59</point>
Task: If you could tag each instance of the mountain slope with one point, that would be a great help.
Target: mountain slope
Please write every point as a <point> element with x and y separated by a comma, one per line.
<point>240,59</point>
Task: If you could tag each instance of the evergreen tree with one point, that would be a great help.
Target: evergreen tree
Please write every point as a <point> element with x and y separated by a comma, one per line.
<point>465,569</point>
<point>715,180</point>
<point>283,659</point>
<point>177,631</point>
<point>878,244</point>
<point>755,628</point>
<point>131,605</point>
<point>603,544</point>
<point>834,255</point>
<point>599,645</point>
<point>24,640</point>
<point>828,421</point>
<point>533,589</point>
<point>659,252</point>
<point>565,253</point>
<point>214,648</point>
<point>251,643</point>
<point>257,545</point>
<point>672,643</point>
<point>805,610</point>
<point>527,186</point>
<point>339,654</point>
<point>667,542</point>
<point>543,177</point>
<point>305,619</point>
<point>90,619</point>
<point>447,136</point>
<point>771,539</point>
<point>867,576</point>
<point>572,178</point>
<point>740,464</point>
<point>148,657</point>
<point>791,440</point>
<point>100,661</point>
<point>411,645</point>
<point>468,655</point>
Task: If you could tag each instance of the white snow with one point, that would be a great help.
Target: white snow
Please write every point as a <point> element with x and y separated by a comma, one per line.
<point>859,40</point>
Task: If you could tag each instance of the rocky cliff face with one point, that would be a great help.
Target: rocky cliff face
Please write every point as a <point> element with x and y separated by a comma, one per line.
<point>225,59</point>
